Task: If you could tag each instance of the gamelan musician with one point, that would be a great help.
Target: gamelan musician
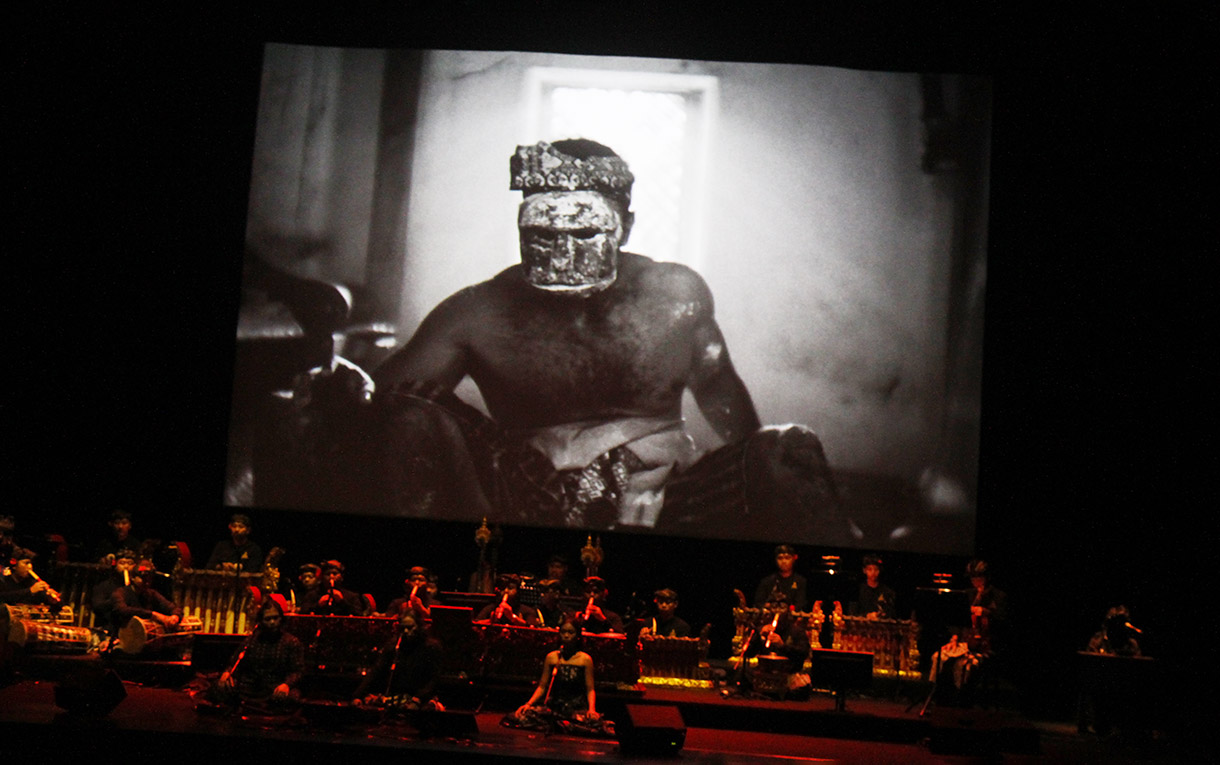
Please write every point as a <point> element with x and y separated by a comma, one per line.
<point>666,623</point>
<point>874,600</point>
<point>334,599</point>
<point>20,583</point>
<point>988,610</point>
<point>404,676</point>
<point>550,609</point>
<point>595,618</point>
<point>269,664</point>
<point>957,665</point>
<point>139,599</point>
<point>507,608</point>
<point>416,594</point>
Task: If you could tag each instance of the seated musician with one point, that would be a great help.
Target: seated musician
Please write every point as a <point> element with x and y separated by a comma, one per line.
<point>139,599</point>
<point>268,666</point>
<point>508,608</point>
<point>784,582</point>
<point>550,610</point>
<point>783,635</point>
<point>122,566</point>
<point>1103,706</point>
<point>557,569</point>
<point>596,618</point>
<point>334,599</point>
<point>238,552</point>
<point>1116,636</point>
<point>564,697</point>
<point>20,584</point>
<point>666,623</point>
<point>417,595</point>
<point>308,588</point>
<point>407,667</point>
<point>874,600</point>
<point>120,538</point>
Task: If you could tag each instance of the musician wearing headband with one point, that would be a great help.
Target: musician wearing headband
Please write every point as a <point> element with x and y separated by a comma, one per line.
<point>550,607</point>
<point>138,598</point>
<point>334,599</point>
<point>417,595</point>
<point>785,635</point>
<point>408,665</point>
<point>269,664</point>
<point>125,561</point>
<point>595,617</point>
<point>785,582</point>
<point>508,608</point>
<point>582,353</point>
<point>666,623</point>
<point>21,584</point>
<point>237,553</point>
<point>874,600</point>
<point>308,587</point>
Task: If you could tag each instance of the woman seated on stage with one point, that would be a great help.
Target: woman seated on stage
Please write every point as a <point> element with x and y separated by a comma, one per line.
<point>564,697</point>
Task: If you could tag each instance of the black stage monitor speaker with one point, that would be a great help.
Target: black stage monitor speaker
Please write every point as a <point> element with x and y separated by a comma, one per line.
<point>448,724</point>
<point>840,669</point>
<point>89,690</point>
<point>649,729</point>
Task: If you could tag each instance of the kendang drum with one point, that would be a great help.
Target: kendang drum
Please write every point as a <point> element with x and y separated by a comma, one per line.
<point>141,634</point>
<point>44,637</point>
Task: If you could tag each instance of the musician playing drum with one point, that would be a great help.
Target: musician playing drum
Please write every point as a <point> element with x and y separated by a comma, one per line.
<point>139,599</point>
<point>22,585</point>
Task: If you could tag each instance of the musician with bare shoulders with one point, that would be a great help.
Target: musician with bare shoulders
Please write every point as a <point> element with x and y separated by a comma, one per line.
<point>565,697</point>
<point>582,353</point>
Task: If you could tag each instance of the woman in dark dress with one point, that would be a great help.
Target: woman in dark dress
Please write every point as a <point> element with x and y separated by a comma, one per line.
<point>564,697</point>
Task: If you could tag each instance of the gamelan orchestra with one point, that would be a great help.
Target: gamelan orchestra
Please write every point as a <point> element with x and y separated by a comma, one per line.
<point>309,641</point>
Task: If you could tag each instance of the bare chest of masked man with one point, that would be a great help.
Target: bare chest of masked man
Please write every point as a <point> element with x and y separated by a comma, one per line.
<point>542,359</point>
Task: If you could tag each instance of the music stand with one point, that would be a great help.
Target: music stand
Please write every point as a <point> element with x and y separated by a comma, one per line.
<point>840,671</point>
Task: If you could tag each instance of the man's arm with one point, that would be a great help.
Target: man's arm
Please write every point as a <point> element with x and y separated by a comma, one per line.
<point>436,353</point>
<point>719,392</point>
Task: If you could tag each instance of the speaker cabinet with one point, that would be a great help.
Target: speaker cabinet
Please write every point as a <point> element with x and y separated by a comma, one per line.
<point>90,690</point>
<point>648,729</point>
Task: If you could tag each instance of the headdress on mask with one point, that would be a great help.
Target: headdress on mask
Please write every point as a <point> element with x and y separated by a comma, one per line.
<point>542,167</point>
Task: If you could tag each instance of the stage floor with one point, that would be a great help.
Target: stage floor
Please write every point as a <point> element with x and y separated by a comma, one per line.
<point>163,723</point>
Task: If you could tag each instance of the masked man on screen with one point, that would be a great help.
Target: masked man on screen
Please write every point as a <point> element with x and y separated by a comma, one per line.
<point>582,353</point>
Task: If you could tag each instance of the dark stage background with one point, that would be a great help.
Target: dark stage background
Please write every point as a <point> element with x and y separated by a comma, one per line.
<point>131,170</point>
